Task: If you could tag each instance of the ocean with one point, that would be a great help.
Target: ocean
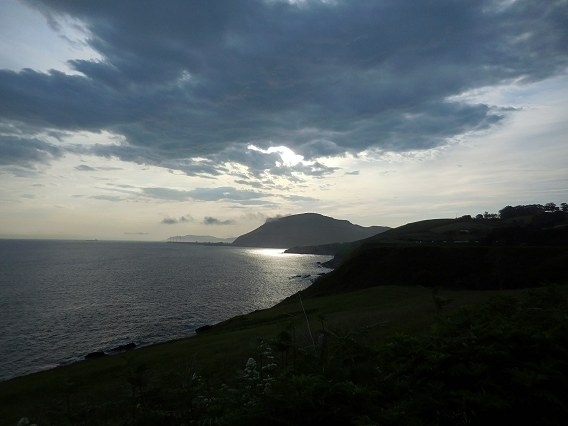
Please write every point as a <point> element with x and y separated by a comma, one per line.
<point>60,300</point>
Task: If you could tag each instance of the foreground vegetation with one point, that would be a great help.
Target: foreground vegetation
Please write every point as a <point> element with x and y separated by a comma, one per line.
<point>384,355</point>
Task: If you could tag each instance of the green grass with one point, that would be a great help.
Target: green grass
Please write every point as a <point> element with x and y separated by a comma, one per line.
<point>101,388</point>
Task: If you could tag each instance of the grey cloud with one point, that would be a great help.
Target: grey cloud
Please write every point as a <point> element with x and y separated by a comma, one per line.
<point>121,189</point>
<point>108,169</point>
<point>169,221</point>
<point>298,198</point>
<point>113,198</point>
<point>224,193</point>
<point>316,169</point>
<point>166,194</point>
<point>208,220</point>
<point>254,184</point>
<point>254,216</point>
<point>254,203</point>
<point>85,168</point>
<point>273,218</point>
<point>206,194</point>
<point>172,221</point>
<point>188,79</point>
<point>122,186</point>
<point>20,171</point>
<point>206,168</point>
<point>25,152</point>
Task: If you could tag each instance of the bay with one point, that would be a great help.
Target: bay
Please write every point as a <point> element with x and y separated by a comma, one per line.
<point>60,300</point>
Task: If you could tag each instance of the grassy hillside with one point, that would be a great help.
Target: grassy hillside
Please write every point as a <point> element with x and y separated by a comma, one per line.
<point>471,267</point>
<point>437,231</point>
<point>455,253</point>
<point>541,229</point>
<point>105,391</point>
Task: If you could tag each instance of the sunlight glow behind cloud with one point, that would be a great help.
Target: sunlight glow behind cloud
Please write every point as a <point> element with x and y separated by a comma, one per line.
<point>377,112</point>
<point>287,156</point>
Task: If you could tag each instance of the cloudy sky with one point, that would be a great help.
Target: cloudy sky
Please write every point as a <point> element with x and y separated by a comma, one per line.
<point>143,119</point>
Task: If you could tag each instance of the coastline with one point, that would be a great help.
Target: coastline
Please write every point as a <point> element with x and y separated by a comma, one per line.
<point>125,346</point>
<point>373,314</point>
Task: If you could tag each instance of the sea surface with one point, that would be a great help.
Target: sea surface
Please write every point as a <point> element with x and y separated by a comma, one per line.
<point>60,300</point>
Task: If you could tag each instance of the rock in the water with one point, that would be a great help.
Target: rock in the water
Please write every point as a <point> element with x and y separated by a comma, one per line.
<point>203,329</point>
<point>95,355</point>
<point>122,348</point>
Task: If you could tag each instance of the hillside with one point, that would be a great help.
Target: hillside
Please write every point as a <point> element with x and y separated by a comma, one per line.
<point>307,229</point>
<point>542,228</point>
<point>380,361</point>
<point>457,253</point>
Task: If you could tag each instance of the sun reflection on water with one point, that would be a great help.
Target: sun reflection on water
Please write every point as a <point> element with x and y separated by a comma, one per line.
<point>268,251</point>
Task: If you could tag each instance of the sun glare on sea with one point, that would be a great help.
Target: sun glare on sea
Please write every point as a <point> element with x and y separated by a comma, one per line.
<point>268,252</point>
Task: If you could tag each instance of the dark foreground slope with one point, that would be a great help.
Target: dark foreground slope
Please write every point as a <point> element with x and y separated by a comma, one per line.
<point>379,362</point>
<point>306,229</point>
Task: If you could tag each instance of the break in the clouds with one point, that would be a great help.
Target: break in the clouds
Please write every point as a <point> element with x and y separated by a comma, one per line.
<point>190,85</point>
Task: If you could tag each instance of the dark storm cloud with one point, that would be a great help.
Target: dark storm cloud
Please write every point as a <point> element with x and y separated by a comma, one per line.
<point>186,79</point>
<point>25,152</point>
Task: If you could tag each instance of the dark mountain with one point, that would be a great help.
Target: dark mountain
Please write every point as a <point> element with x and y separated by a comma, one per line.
<point>307,229</point>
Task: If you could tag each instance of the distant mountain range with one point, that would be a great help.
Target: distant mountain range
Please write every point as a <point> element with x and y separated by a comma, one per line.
<point>199,239</point>
<point>307,229</point>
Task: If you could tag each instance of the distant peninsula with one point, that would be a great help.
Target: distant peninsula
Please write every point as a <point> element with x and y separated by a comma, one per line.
<point>306,229</point>
<point>200,239</point>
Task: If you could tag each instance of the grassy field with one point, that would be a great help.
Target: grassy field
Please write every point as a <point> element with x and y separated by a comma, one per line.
<point>101,389</point>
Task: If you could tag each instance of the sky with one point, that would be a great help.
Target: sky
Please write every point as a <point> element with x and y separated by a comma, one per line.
<point>144,119</point>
